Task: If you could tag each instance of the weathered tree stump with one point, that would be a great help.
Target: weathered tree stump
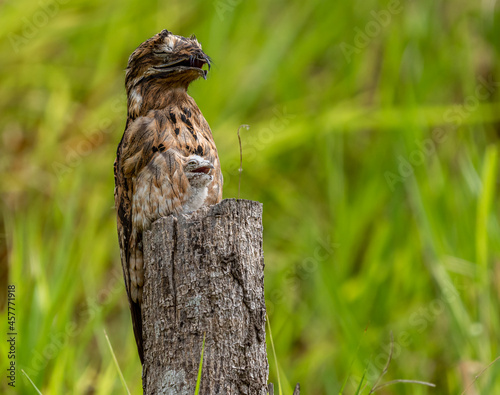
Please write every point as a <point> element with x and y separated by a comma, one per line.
<point>204,274</point>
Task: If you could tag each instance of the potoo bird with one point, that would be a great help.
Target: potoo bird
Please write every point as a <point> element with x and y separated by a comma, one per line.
<point>167,161</point>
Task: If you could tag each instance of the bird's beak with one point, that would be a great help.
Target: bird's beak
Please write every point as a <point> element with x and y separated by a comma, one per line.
<point>194,61</point>
<point>205,167</point>
<point>198,60</point>
<point>208,165</point>
<point>205,59</point>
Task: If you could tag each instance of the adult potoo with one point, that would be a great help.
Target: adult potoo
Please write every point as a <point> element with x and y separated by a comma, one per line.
<point>149,182</point>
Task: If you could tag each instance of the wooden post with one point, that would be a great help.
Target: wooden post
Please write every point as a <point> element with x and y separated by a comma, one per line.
<point>204,274</point>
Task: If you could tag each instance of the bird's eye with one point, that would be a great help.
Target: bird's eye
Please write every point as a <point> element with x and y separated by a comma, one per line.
<point>192,162</point>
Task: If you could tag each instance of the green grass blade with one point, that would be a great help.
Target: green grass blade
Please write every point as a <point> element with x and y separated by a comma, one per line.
<point>200,368</point>
<point>274,354</point>
<point>358,390</point>
<point>116,362</point>
<point>32,383</point>
<point>489,176</point>
<point>352,363</point>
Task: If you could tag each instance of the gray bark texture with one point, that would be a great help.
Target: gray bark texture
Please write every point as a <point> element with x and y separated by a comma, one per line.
<point>204,274</point>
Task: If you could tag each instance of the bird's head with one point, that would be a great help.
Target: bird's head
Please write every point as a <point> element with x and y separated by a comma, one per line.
<point>167,60</point>
<point>198,170</point>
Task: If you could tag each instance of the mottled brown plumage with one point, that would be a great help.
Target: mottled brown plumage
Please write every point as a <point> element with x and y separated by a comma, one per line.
<point>166,162</point>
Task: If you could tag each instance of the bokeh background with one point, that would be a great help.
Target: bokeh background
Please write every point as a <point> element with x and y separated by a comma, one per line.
<point>373,145</point>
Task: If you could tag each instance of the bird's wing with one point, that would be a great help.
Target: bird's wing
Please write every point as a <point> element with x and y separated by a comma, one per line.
<point>147,140</point>
<point>134,152</point>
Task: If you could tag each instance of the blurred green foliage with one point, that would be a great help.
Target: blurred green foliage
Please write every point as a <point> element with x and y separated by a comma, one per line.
<point>373,145</point>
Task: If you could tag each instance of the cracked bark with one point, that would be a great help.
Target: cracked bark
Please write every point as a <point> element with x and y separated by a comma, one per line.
<point>204,273</point>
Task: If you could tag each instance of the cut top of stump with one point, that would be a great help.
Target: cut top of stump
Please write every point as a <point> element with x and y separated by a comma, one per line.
<point>204,274</point>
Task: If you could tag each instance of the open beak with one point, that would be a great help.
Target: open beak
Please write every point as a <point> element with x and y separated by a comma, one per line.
<point>204,168</point>
<point>199,61</point>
